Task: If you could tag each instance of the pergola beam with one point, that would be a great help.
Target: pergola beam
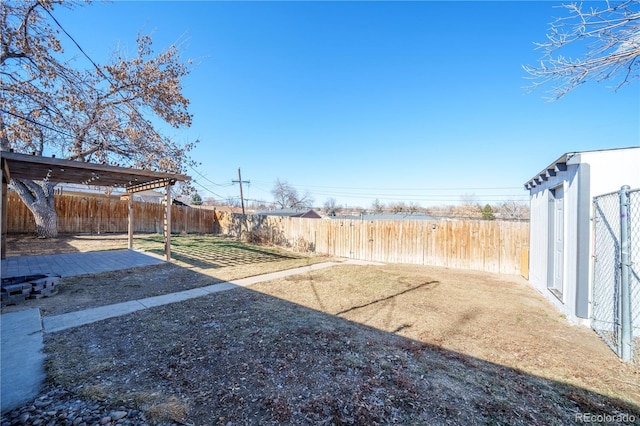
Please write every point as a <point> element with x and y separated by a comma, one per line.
<point>160,183</point>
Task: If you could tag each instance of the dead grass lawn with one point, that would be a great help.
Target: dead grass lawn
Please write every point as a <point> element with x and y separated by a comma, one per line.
<point>348,345</point>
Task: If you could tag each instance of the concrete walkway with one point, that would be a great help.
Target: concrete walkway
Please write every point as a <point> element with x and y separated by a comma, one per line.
<point>22,371</point>
<point>75,319</point>
<point>22,360</point>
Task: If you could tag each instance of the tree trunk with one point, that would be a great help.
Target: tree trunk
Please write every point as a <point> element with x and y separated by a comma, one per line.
<point>46,219</point>
<point>38,196</point>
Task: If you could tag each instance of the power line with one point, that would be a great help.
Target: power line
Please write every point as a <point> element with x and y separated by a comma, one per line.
<point>205,178</point>
<point>32,121</point>
<point>460,188</point>
<point>406,192</point>
<point>207,189</point>
<point>414,194</point>
<point>74,41</point>
<point>437,195</point>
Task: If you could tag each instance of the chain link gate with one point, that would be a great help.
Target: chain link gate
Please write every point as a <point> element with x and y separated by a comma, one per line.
<point>615,308</point>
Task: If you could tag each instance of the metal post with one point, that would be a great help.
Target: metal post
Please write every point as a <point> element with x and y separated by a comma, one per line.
<point>625,275</point>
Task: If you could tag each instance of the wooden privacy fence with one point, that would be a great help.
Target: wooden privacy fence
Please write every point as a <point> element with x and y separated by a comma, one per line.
<point>78,215</point>
<point>492,246</point>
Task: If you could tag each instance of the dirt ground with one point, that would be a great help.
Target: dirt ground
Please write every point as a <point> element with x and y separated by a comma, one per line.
<point>391,344</point>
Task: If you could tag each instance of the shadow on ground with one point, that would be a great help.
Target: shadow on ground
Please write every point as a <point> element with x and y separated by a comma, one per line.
<point>246,357</point>
<point>29,245</point>
<point>220,254</point>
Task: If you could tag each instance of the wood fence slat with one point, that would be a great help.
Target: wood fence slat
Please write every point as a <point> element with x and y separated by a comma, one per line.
<point>492,246</point>
<point>77,215</point>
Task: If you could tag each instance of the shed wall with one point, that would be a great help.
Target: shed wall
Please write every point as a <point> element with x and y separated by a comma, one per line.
<point>588,174</point>
<point>611,169</point>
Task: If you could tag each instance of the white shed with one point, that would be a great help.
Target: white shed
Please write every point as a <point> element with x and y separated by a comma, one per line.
<point>561,233</point>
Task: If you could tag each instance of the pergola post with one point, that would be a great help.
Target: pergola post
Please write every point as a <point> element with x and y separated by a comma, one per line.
<point>130,221</point>
<point>4,177</point>
<point>167,224</point>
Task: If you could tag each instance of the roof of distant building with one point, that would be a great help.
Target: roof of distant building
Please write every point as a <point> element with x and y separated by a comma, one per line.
<point>388,216</point>
<point>308,213</point>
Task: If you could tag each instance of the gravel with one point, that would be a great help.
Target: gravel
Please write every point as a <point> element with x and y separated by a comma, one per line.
<point>59,407</point>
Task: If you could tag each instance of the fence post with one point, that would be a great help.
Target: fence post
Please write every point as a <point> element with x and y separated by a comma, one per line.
<point>625,275</point>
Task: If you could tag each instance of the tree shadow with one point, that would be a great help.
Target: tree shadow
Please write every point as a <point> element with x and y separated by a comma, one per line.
<point>390,297</point>
<point>31,245</point>
<point>222,255</point>
<point>215,253</point>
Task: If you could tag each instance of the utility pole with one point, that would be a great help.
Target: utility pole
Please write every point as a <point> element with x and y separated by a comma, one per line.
<point>240,181</point>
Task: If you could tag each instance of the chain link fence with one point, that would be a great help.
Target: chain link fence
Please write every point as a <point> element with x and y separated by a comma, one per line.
<point>634,241</point>
<point>615,309</point>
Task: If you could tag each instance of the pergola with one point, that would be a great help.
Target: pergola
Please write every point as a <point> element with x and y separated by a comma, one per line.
<point>36,167</point>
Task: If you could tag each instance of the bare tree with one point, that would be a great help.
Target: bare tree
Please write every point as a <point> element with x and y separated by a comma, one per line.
<point>414,207</point>
<point>440,211</point>
<point>101,114</point>
<point>469,199</point>
<point>377,206</point>
<point>258,205</point>
<point>233,202</point>
<point>398,207</point>
<point>513,210</point>
<point>286,196</point>
<point>210,201</point>
<point>609,37</point>
<point>330,206</point>
<point>467,211</point>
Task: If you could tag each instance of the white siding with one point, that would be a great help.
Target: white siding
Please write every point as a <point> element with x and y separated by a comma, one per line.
<point>538,225</point>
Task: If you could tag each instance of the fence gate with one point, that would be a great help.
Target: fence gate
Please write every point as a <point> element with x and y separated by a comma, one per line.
<point>615,308</point>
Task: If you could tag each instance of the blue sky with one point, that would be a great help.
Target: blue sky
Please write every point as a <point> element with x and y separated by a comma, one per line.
<point>421,102</point>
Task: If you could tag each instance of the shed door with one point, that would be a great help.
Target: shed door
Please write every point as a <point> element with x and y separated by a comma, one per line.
<point>557,233</point>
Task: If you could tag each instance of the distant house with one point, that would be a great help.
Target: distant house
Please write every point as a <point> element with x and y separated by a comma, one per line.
<point>176,202</point>
<point>80,190</point>
<point>307,213</point>
<point>388,216</point>
<point>561,231</point>
<point>149,196</point>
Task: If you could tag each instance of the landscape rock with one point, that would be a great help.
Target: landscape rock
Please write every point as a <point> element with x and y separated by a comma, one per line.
<point>58,407</point>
